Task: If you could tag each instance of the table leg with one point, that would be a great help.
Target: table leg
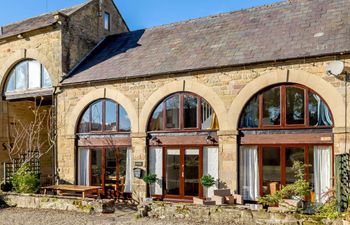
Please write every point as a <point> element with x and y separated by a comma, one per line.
<point>83,194</point>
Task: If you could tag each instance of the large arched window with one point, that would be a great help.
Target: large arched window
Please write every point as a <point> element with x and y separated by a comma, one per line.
<point>279,126</point>
<point>183,111</point>
<point>104,115</point>
<point>286,106</point>
<point>28,75</point>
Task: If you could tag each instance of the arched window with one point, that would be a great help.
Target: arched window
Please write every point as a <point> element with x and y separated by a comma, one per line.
<point>104,115</point>
<point>279,126</point>
<point>183,111</point>
<point>286,106</point>
<point>28,75</point>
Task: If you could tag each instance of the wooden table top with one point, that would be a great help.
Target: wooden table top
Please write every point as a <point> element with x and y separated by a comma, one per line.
<point>67,187</point>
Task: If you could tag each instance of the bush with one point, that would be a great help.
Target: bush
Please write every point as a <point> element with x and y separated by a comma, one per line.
<point>207,181</point>
<point>150,178</point>
<point>25,181</point>
<point>299,189</point>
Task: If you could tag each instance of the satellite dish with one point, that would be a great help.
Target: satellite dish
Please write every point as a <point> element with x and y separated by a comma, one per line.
<point>335,68</point>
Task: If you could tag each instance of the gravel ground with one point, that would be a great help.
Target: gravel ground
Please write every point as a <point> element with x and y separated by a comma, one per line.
<point>20,216</point>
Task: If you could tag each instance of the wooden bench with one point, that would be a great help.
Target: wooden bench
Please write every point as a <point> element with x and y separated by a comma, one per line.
<point>63,189</point>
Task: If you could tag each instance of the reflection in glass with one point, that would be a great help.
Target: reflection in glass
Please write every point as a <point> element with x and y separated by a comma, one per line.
<point>190,111</point>
<point>250,115</point>
<point>124,122</point>
<point>111,116</point>
<point>96,116</point>
<point>209,118</point>
<point>271,107</point>
<point>46,80</point>
<point>85,122</point>
<point>34,79</point>
<point>173,172</point>
<point>111,164</point>
<point>295,105</point>
<point>191,172</point>
<point>157,119</point>
<point>96,167</point>
<point>293,154</point>
<point>172,105</point>
<point>21,72</point>
<point>271,170</point>
<point>122,161</point>
<point>11,82</point>
<point>319,113</point>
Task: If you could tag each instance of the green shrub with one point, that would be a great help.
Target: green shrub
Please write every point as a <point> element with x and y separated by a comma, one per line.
<point>150,178</point>
<point>207,181</point>
<point>329,209</point>
<point>299,189</point>
<point>25,181</point>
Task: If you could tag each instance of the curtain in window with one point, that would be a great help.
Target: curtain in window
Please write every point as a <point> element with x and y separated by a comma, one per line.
<point>322,171</point>
<point>128,172</point>
<point>156,167</point>
<point>323,116</point>
<point>211,167</point>
<point>249,172</point>
<point>84,167</point>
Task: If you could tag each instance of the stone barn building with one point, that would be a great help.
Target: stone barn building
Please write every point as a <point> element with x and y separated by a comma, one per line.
<point>239,96</point>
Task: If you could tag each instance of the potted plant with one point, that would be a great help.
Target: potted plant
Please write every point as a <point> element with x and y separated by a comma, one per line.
<point>207,181</point>
<point>150,179</point>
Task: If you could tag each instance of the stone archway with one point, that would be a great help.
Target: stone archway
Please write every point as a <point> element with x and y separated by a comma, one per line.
<point>183,85</point>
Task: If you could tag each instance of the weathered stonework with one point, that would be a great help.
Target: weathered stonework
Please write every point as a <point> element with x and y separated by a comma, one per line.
<point>227,90</point>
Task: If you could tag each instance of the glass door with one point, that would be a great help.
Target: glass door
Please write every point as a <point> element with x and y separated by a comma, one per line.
<point>182,172</point>
<point>191,172</point>
<point>271,170</point>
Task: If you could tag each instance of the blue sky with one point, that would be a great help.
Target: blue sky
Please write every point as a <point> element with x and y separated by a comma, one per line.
<point>137,13</point>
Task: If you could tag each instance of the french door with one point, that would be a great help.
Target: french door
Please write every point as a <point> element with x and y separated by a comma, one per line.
<point>183,169</point>
<point>276,165</point>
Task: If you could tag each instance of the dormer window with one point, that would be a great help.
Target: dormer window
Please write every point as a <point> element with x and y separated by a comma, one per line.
<point>107,21</point>
<point>27,77</point>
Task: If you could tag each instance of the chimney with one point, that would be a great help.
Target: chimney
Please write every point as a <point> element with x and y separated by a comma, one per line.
<point>1,31</point>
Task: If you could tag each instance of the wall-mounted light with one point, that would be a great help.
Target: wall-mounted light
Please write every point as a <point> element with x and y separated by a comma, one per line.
<point>211,140</point>
<point>155,140</point>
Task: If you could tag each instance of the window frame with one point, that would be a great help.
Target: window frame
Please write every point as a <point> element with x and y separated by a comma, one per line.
<point>283,110</point>
<point>181,127</point>
<point>103,127</point>
<point>107,16</point>
<point>13,73</point>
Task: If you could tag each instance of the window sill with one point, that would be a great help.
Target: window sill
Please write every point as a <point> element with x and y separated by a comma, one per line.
<point>28,94</point>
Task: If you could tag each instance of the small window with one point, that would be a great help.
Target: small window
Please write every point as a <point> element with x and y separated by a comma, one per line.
<point>107,21</point>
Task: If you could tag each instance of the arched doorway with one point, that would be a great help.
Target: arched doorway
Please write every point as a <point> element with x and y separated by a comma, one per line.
<point>279,125</point>
<point>104,148</point>
<point>183,146</point>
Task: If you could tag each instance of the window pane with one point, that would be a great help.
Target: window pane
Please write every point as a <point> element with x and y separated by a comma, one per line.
<point>172,184</point>
<point>271,107</point>
<point>21,75</point>
<point>250,115</point>
<point>106,21</point>
<point>96,167</point>
<point>295,105</point>
<point>11,82</point>
<point>319,114</point>
<point>271,170</point>
<point>111,116</point>
<point>209,118</point>
<point>191,172</point>
<point>157,119</point>
<point>190,111</point>
<point>96,119</point>
<point>85,121</point>
<point>172,112</point>
<point>34,75</point>
<point>292,155</point>
<point>111,166</point>
<point>124,121</point>
<point>122,163</point>
<point>46,78</point>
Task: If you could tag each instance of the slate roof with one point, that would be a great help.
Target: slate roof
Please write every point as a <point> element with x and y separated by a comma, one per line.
<point>286,30</point>
<point>36,22</point>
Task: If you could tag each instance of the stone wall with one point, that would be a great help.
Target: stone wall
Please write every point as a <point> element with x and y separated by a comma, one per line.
<point>227,90</point>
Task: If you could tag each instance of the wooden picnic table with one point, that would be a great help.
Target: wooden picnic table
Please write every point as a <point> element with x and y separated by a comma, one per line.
<point>84,190</point>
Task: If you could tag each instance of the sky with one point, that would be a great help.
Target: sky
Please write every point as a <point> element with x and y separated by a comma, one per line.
<point>138,14</point>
